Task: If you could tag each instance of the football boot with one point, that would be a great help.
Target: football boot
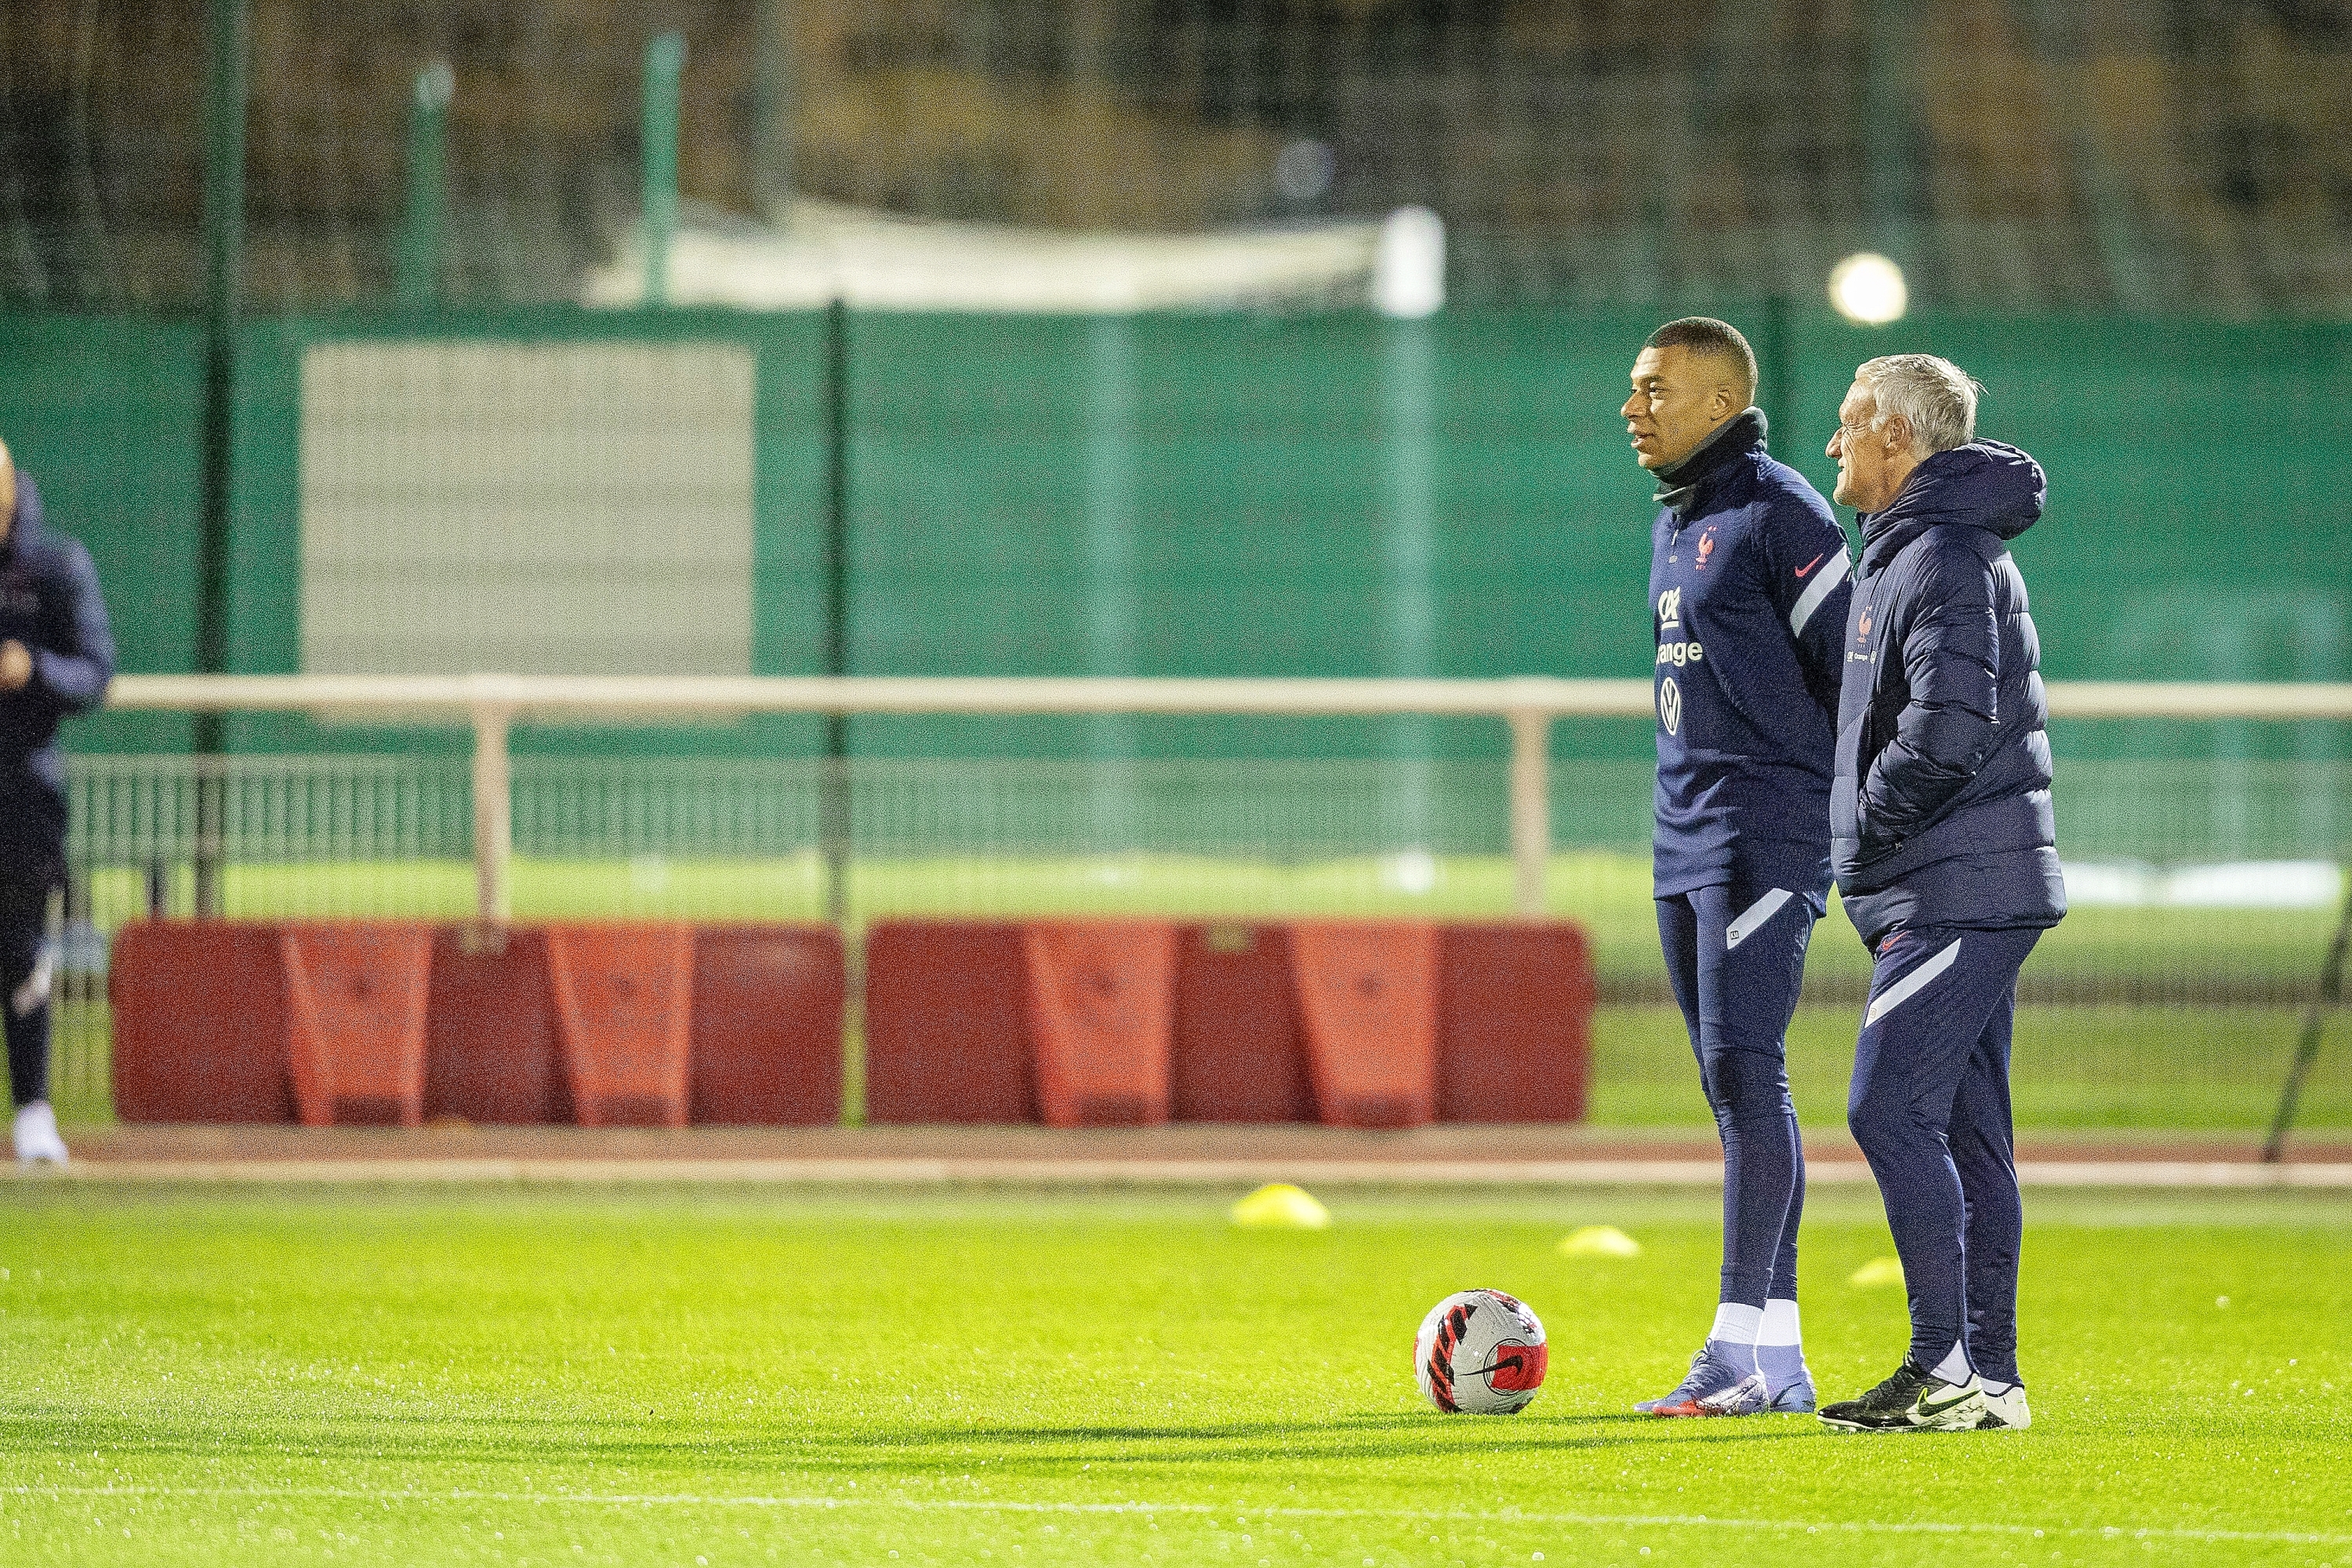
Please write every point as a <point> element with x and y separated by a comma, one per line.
<point>1717,1385</point>
<point>2005,1412</point>
<point>1913,1400</point>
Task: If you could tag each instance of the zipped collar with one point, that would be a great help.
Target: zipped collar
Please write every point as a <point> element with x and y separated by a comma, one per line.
<point>1679,483</point>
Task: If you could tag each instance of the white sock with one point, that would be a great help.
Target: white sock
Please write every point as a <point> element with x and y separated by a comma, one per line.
<point>1999,1388</point>
<point>1736,1324</point>
<point>1780,1327</point>
<point>1954,1368</point>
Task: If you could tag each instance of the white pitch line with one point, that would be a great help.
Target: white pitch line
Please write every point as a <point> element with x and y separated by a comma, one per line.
<point>1199,1509</point>
<point>982,1171</point>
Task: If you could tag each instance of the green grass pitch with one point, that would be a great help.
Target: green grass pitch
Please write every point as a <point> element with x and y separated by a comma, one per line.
<point>732,1376</point>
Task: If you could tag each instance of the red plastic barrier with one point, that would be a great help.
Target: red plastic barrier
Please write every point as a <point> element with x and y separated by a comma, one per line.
<point>947,1036</point>
<point>1371,1025</point>
<point>1368,993</point>
<point>203,1015</point>
<point>1101,996</point>
<point>199,1011</point>
<point>624,1015</point>
<point>1515,1022</point>
<point>490,1052</point>
<point>767,1025</point>
<point>355,1013</point>
<point>1239,1052</point>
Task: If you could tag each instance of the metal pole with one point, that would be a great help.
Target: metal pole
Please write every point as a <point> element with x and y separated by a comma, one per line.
<point>493,815</point>
<point>1409,287</point>
<point>771,111</point>
<point>420,235</point>
<point>1409,543</point>
<point>833,801</point>
<point>1110,614</point>
<point>664,60</point>
<point>1889,113</point>
<point>2315,1018</point>
<point>1530,810</point>
<point>1773,374</point>
<point>223,229</point>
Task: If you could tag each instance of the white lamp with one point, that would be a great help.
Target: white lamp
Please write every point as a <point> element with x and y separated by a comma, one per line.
<point>1868,288</point>
<point>1409,265</point>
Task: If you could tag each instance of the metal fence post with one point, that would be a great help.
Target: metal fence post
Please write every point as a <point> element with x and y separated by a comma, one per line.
<point>833,785</point>
<point>428,185</point>
<point>493,814</point>
<point>227,31</point>
<point>1530,809</point>
<point>665,58</point>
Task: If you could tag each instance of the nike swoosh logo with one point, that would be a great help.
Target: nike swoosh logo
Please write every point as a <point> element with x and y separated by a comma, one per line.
<point>1814,562</point>
<point>1927,1409</point>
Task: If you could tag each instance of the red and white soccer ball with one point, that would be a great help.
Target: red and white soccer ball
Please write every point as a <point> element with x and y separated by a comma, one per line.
<point>1480,1351</point>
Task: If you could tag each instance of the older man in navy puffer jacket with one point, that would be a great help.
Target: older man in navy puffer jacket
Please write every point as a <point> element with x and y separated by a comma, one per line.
<point>1945,848</point>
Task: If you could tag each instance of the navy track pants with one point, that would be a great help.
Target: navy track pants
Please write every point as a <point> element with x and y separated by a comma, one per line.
<point>1735,958</point>
<point>1929,1105</point>
<point>25,975</point>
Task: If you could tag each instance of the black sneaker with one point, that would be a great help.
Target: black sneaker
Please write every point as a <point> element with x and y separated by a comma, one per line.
<point>1913,1400</point>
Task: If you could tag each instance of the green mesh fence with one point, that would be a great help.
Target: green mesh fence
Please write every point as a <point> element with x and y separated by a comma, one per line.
<point>1322,494</point>
<point>2148,155</point>
<point>439,457</point>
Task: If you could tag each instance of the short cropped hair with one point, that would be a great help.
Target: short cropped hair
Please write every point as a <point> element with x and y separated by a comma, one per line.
<point>1935,397</point>
<point>1715,339</point>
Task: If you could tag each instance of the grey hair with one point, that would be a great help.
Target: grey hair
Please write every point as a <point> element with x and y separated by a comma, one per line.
<point>1935,397</point>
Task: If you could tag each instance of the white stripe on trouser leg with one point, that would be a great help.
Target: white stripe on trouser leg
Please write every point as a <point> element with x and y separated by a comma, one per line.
<point>36,989</point>
<point>1754,915</point>
<point>1811,600</point>
<point>1910,985</point>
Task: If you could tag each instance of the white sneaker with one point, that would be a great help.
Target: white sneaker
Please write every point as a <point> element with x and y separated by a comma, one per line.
<point>36,1136</point>
<point>2005,1412</point>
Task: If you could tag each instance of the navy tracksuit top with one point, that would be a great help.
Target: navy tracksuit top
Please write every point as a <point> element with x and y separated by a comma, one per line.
<point>1747,598</point>
<point>48,602</point>
<point>1941,815</point>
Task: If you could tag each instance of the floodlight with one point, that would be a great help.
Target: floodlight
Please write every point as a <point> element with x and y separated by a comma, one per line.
<point>1409,265</point>
<point>1868,288</point>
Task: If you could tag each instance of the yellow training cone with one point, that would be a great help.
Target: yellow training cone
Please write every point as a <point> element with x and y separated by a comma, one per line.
<point>1879,1271</point>
<point>1599,1241</point>
<point>1281,1207</point>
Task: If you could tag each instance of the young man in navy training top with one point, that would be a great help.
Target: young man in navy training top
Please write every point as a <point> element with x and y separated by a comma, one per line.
<point>1947,861</point>
<point>1747,594</point>
<point>56,655</point>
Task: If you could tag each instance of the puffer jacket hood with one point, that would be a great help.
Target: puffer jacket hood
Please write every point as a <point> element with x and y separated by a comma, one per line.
<point>1985,484</point>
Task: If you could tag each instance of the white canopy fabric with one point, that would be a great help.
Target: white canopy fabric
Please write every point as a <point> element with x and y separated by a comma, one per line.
<point>875,260</point>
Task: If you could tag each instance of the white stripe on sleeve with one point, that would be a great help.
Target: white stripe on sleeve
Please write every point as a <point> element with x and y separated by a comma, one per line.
<point>1832,575</point>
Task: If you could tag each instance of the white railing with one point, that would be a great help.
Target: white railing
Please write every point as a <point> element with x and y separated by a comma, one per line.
<point>493,704</point>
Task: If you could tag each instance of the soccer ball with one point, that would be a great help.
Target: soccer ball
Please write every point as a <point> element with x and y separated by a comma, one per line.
<point>1480,1351</point>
